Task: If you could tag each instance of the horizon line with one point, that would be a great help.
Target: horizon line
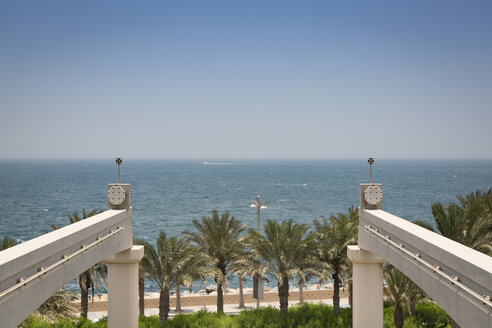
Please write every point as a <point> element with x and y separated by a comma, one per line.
<point>244,158</point>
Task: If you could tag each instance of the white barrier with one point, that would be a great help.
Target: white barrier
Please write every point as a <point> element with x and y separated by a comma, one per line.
<point>456,277</point>
<point>33,271</point>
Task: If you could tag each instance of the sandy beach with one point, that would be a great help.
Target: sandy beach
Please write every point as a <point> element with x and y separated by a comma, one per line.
<point>231,297</point>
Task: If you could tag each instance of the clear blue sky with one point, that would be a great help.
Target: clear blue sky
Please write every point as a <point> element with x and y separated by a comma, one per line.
<point>245,79</point>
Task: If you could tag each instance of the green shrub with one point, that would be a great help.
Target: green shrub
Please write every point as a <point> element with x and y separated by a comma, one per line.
<point>388,321</point>
<point>318,315</point>
<point>427,314</point>
<point>431,315</point>
<point>34,322</point>
<point>204,319</point>
<point>149,322</point>
<point>268,317</point>
<point>300,316</point>
<point>387,303</point>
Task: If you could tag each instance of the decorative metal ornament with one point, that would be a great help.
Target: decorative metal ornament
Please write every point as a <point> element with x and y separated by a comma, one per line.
<point>116,195</point>
<point>370,161</point>
<point>373,195</point>
<point>119,161</point>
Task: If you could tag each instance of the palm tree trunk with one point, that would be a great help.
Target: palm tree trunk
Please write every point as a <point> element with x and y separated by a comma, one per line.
<point>220,298</point>
<point>164,305</point>
<point>178,298</point>
<point>283,295</point>
<point>141,296</point>
<point>336,293</point>
<point>301,291</point>
<point>84,293</point>
<point>351,292</point>
<point>411,305</point>
<point>241,294</point>
<point>398,317</point>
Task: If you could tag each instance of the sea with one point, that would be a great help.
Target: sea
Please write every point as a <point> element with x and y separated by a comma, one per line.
<point>168,194</point>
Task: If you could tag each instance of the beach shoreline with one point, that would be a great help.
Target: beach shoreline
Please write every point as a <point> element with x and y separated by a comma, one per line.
<point>231,297</point>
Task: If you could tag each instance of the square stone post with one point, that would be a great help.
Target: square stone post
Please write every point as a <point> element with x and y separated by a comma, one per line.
<point>123,288</point>
<point>367,303</point>
<point>122,270</point>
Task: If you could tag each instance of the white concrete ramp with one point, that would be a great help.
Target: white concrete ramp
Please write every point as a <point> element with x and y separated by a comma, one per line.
<point>33,271</point>
<point>457,278</point>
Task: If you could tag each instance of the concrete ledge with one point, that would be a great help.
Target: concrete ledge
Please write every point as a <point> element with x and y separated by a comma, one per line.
<point>360,256</point>
<point>132,255</point>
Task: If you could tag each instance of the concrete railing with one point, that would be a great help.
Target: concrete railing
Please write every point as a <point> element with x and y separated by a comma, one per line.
<point>456,277</point>
<point>33,271</point>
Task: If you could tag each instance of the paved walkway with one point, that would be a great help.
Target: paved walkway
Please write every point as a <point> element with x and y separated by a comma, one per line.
<point>228,308</point>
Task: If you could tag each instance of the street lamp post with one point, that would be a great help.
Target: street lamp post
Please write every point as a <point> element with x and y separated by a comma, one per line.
<point>259,205</point>
<point>259,282</point>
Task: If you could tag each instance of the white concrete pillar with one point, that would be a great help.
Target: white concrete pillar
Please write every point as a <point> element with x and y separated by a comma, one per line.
<point>123,288</point>
<point>367,303</point>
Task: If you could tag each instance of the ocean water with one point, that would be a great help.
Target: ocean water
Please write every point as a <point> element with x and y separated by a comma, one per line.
<point>168,194</point>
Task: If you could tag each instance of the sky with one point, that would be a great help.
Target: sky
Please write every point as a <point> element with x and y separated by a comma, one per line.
<point>245,79</point>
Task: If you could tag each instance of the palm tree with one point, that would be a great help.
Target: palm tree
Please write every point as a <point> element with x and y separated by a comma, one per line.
<point>354,216</point>
<point>333,236</point>
<point>477,204</point>
<point>172,263</point>
<point>241,291</point>
<point>397,292</point>
<point>415,294</point>
<point>60,305</point>
<point>141,281</point>
<point>469,222</point>
<point>221,238</point>
<point>477,209</point>
<point>308,265</point>
<point>236,267</point>
<point>286,251</point>
<point>302,280</point>
<point>90,278</point>
<point>7,242</point>
<point>198,268</point>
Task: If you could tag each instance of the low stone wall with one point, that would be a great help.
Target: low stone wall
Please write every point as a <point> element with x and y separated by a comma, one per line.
<point>195,300</point>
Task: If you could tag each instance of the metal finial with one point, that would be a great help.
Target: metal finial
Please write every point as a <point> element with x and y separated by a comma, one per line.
<point>119,160</point>
<point>370,160</point>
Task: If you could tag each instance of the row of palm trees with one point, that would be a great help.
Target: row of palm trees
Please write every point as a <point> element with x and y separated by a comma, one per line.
<point>288,251</point>
<point>220,245</point>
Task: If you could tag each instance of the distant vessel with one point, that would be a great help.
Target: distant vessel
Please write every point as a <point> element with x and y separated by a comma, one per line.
<point>207,163</point>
